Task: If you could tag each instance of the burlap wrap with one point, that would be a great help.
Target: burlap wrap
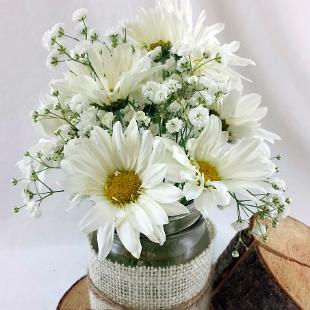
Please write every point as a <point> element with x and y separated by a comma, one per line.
<point>185,286</point>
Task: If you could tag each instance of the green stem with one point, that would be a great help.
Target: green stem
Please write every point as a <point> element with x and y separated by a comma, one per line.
<point>71,37</point>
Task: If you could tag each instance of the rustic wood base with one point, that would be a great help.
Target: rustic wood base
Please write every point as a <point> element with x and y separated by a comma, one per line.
<point>270,275</point>
<point>76,298</point>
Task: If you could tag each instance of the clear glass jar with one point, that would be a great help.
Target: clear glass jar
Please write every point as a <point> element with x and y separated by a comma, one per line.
<point>186,237</point>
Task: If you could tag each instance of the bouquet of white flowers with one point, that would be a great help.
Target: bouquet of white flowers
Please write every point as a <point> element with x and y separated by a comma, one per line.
<point>146,120</point>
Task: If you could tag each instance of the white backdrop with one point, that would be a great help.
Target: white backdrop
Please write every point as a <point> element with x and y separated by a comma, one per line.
<point>39,259</point>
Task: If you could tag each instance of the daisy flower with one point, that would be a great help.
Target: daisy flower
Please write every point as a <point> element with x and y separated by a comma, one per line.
<point>206,55</point>
<point>163,25</point>
<point>241,116</point>
<point>123,176</point>
<point>216,168</point>
<point>113,75</point>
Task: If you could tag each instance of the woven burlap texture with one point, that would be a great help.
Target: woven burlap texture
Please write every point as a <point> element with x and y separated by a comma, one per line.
<point>150,287</point>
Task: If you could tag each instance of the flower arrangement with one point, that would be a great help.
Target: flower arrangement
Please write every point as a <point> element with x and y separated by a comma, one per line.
<point>146,120</point>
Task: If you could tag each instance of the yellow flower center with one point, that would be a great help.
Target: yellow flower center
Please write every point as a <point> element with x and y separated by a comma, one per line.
<point>166,45</point>
<point>122,187</point>
<point>208,170</point>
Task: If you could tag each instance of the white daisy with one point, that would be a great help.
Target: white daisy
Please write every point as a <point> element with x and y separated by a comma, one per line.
<point>123,176</point>
<point>207,56</point>
<point>163,25</point>
<point>241,116</point>
<point>114,75</point>
<point>216,168</point>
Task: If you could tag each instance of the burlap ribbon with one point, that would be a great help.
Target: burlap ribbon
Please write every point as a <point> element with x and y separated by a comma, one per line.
<point>177,287</point>
<point>182,306</point>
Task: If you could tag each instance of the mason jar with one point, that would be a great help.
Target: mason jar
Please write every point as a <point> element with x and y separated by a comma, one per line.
<point>172,276</point>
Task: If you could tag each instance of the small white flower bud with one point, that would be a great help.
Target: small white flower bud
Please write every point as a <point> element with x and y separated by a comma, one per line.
<point>192,80</point>
<point>174,125</point>
<point>79,15</point>
<point>199,116</point>
<point>240,225</point>
<point>235,254</point>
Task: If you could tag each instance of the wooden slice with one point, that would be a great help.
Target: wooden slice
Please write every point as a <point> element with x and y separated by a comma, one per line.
<point>76,298</point>
<point>270,275</point>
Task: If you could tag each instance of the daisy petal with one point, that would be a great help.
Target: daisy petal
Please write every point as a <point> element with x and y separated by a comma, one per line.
<point>268,135</point>
<point>154,211</point>
<point>145,150</point>
<point>153,175</point>
<point>164,193</point>
<point>221,193</point>
<point>130,238</point>
<point>158,152</point>
<point>99,214</point>
<point>120,151</point>
<point>179,155</point>
<point>105,238</point>
<point>95,59</point>
<point>191,190</point>
<point>91,221</point>
<point>140,220</point>
<point>175,208</point>
<point>158,235</point>
<point>204,202</point>
<point>132,138</point>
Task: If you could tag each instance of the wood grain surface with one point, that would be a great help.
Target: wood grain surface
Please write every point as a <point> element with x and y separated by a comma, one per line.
<point>270,275</point>
<point>76,298</point>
